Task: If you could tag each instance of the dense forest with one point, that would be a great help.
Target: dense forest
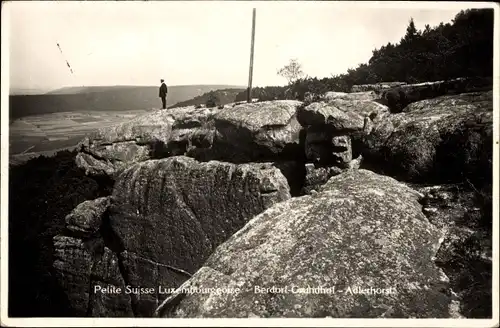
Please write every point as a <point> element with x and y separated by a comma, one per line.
<point>462,48</point>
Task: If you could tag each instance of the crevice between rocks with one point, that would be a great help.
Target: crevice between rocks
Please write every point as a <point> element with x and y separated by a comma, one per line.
<point>170,267</point>
<point>120,141</point>
<point>112,241</point>
<point>460,256</point>
<point>168,306</point>
<point>115,244</point>
<point>97,157</point>
<point>97,254</point>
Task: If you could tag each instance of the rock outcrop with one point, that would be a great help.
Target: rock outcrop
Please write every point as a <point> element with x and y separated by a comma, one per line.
<point>406,145</point>
<point>203,198</point>
<point>83,262</point>
<point>258,132</point>
<point>377,87</point>
<point>164,218</point>
<point>86,218</point>
<point>366,95</point>
<point>85,272</point>
<point>341,115</point>
<point>152,135</point>
<point>399,97</point>
<point>331,130</point>
<point>189,206</point>
<point>442,139</point>
<point>255,132</point>
<point>360,247</point>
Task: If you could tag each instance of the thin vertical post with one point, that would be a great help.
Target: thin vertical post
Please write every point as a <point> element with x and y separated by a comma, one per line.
<point>249,91</point>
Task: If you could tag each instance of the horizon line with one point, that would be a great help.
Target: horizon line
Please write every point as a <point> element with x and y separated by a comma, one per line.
<point>19,91</point>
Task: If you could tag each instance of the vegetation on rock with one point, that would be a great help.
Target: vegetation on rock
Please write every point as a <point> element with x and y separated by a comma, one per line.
<point>292,71</point>
<point>221,97</point>
<point>212,100</point>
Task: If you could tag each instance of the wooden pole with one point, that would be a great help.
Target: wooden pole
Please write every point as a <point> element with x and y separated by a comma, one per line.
<point>249,91</point>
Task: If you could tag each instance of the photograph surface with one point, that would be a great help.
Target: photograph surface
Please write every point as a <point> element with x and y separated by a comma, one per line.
<point>222,159</point>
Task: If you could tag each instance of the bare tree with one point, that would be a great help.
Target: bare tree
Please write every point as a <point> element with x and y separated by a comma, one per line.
<point>292,71</point>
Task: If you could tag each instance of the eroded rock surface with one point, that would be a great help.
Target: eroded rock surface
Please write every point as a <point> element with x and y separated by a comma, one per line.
<point>366,95</point>
<point>189,205</point>
<point>258,132</point>
<point>399,97</point>
<point>360,230</point>
<point>377,87</point>
<point>354,228</point>
<point>341,115</point>
<point>317,175</point>
<point>442,139</point>
<point>152,135</point>
<point>255,132</point>
<point>86,218</point>
<point>329,147</point>
<point>332,128</point>
<point>83,264</point>
<point>164,218</point>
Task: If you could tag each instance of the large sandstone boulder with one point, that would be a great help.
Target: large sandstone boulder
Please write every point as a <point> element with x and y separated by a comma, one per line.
<point>84,262</point>
<point>469,100</point>
<point>152,135</point>
<point>327,123</point>
<point>366,95</point>
<point>360,247</point>
<point>260,131</point>
<point>86,218</point>
<point>443,139</point>
<point>178,203</point>
<point>399,97</point>
<point>341,115</point>
<point>377,87</point>
<point>255,132</point>
<point>164,218</point>
<point>333,131</point>
<point>84,265</point>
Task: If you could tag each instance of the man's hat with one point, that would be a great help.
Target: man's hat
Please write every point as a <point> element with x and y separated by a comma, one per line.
<point>161,80</point>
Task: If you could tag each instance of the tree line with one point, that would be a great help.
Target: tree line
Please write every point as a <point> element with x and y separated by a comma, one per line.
<point>462,48</point>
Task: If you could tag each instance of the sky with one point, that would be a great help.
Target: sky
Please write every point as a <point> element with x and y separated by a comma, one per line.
<point>198,42</point>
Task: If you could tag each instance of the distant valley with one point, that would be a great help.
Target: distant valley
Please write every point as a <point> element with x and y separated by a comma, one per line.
<point>104,98</point>
<point>45,133</point>
<point>59,119</point>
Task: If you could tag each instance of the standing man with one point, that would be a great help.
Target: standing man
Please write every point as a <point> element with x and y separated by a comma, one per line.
<point>163,94</point>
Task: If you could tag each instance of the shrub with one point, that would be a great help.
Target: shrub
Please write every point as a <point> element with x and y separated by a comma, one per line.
<point>212,100</point>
